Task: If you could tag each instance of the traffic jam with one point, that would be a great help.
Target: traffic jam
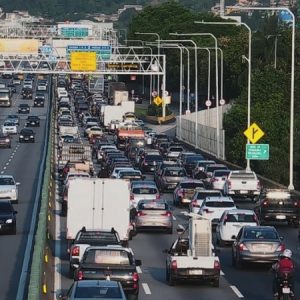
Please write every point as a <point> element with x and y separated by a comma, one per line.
<point>121,180</point>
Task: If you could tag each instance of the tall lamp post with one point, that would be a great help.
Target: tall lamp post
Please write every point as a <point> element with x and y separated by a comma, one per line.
<point>291,175</point>
<point>248,59</point>
<point>217,82</point>
<point>158,52</point>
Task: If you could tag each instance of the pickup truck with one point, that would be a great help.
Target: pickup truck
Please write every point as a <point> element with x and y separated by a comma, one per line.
<point>111,263</point>
<point>86,238</point>
<point>244,184</point>
<point>193,257</point>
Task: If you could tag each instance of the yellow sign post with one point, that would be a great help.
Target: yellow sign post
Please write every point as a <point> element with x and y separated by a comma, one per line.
<point>254,133</point>
<point>157,101</point>
<point>83,61</point>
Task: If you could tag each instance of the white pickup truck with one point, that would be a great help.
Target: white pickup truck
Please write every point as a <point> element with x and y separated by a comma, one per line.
<point>244,184</point>
<point>193,258</point>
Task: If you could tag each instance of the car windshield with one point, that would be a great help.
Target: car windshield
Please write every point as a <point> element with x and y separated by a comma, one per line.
<point>98,292</point>
<point>219,204</point>
<point>176,149</point>
<point>6,181</point>
<point>107,257</point>
<point>240,218</point>
<point>191,159</point>
<point>153,158</point>
<point>260,234</point>
<point>26,131</point>
<point>175,173</point>
<point>144,190</point>
<point>9,124</point>
<point>89,237</point>
<point>5,206</point>
<point>213,168</point>
<point>191,185</point>
<point>221,173</point>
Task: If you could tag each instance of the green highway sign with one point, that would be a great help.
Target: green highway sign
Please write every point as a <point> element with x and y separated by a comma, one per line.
<point>257,151</point>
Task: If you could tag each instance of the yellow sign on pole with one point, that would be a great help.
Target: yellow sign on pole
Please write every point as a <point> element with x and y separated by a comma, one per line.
<point>157,101</point>
<point>83,61</point>
<point>254,133</point>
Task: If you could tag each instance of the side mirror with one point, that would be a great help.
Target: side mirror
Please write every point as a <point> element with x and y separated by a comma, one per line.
<point>18,183</point>
<point>144,177</point>
<point>138,262</point>
<point>281,238</point>
<point>61,297</point>
<point>180,230</point>
<point>233,237</point>
<point>75,261</point>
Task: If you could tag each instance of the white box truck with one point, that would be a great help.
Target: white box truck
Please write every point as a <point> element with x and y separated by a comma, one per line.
<point>96,203</point>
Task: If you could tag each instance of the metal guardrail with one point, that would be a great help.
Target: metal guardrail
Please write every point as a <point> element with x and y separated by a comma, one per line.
<point>38,256</point>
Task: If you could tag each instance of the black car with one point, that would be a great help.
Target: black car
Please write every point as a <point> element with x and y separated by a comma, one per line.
<point>23,109</point>
<point>38,102</point>
<point>27,93</point>
<point>148,164</point>
<point>8,221</point>
<point>33,121</point>
<point>12,87</point>
<point>27,135</point>
<point>5,140</point>
<point>278,205</point>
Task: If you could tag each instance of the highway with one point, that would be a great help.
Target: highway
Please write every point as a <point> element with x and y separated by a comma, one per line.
<point>23,162</point>
<point>252,282</point>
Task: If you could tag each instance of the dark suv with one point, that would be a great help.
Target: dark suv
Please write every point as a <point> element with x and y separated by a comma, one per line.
<point>278,205</point>
<point>8,221</point>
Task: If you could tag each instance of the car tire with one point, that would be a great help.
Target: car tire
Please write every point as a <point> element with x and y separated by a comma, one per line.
<point>133,297</point>
<point>14,230</point>
<point>171,280</point>
<point>216,282</point>
<point>238,263</point>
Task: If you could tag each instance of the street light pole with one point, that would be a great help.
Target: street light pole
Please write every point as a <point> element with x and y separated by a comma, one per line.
<point>291,175</point>
<point>158,52</point>
<point>248,168</point>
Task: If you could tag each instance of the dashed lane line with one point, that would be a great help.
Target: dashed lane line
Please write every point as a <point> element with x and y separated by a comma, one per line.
<point>139,270</point>
<point>146,288</point>
<point>222,273</point>
<point>2,172</point>
<point>174,218</point>
<point>236,291</point>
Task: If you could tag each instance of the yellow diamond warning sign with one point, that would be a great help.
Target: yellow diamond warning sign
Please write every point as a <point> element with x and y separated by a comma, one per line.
<point>157,101</point>
<point>254,133</point>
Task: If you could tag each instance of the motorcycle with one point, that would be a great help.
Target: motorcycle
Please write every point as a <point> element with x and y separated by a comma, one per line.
<point>285,288</point>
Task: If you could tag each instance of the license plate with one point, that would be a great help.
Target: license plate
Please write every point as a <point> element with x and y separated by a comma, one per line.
<point>0,226</point>
<point>280,217</point>
<point>195,272</point>
<point>286,290</point>
<point>243,192</point>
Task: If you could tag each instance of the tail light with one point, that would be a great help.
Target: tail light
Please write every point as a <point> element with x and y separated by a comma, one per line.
<point>167,214</point>
<point>265,203</point>
<point>79,275</point>
<point>214,180</point>
<point>131,197</point>
<point>281,248</point>
<point>217,265</point>
<point>135,277</point>
<point>157,196</point>
<point>229,184</point>
<point>195,203</point>
<point>75,251</point>
<point>255,219</point>
<point>181,192</point>
<point>140,214</point>
<point>242,247</point>
<point>258,185</point>
<point>174,265</point>
<point>296,203</point>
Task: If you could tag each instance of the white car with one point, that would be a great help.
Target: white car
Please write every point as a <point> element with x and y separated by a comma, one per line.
<point>213,208</point>
<point>218,179</point>
<point>8,188</point>
<point>231,222</point>
<point>116,171</point>
<point>198,197</point>
<point>42,87</point>
<point>9,127</point>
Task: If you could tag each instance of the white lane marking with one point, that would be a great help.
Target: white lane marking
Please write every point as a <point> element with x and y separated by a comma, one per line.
<point>236,291</point>
<point>7,164</point>
<point>4,168</point>
<point>139,270</point>
<point>174,218</point>
<point>146,288</point>
<point>222,273</point>
<point>2,172</point>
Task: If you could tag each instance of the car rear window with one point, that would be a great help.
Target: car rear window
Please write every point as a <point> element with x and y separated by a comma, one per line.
<point>107,257</point>
<point>176,149</point>
<point>153,206</point>
<point>260,233</point>
<point>219,204</point>
<point>203,195</point>
<point>221,173</point>
<point>97,292</point>
<point>243,175</point>
<point>240,218</point>
<point>144,190</point>
<point>213,168</point>
<point>191,185</point>
<point>190,159</point>
<point>175,173</point>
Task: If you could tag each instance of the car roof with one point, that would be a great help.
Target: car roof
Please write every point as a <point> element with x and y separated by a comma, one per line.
<point>187,180</point>
<point>220,198</point>
<point>241,211</point>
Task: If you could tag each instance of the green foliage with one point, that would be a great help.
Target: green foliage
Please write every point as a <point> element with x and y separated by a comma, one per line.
<point>154,110</point>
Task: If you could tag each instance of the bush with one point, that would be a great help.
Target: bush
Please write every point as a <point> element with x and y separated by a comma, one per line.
<point>154,110</point>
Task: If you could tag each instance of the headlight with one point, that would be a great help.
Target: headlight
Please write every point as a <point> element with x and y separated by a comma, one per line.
<point>31,136</point>
<point>21,136</point>
<point>7,140</point>
<point>13,190</point>
<point>9,221</point>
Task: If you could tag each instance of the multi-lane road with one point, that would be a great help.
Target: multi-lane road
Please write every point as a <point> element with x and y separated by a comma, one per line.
<point>23,161</point>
